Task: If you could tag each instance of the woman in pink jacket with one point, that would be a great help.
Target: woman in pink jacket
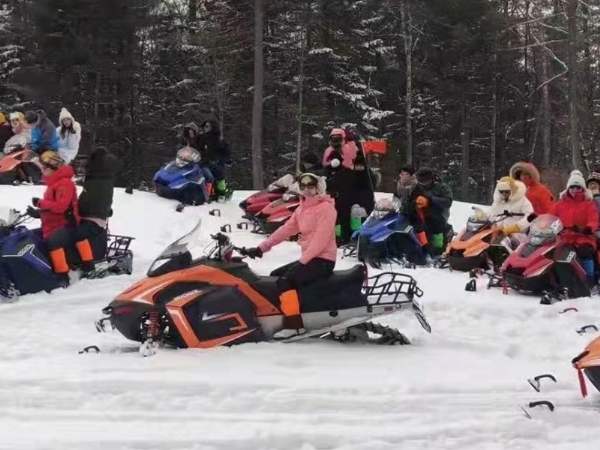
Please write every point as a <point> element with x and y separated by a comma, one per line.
<point>315,221</point>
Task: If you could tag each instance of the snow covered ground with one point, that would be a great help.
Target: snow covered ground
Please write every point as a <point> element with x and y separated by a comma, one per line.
<point>457,388</point>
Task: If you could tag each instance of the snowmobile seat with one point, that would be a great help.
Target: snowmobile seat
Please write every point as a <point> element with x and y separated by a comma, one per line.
<point>340,279</point>
<point>268,288</point>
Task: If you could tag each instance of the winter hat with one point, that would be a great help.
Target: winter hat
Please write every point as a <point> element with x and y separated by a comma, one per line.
<point>424,174</point>
<point>65,114</point>
<point>506,184</point>
<point>339,132</point>
<point>31,117</point>
<point>52,159</point>
<point>576,179</point>
<point>311,178</point>
<point>593,176</point>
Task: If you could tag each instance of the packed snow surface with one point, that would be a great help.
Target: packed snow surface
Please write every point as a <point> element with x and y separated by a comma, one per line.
<point>457,388</point>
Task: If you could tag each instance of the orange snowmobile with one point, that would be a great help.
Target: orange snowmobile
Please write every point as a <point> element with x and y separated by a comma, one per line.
<point>588,362</point>
<point>21,165</point>
<point>481,245</point>
<point>217,299</point>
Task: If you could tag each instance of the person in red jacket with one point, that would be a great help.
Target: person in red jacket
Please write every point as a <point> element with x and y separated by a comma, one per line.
<point>579,216</point>
<point>57,210</point>
<point>537,193</point>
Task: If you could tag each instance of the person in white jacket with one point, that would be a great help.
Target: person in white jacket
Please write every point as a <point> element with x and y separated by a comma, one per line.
<point>69,136</point>
<point>509,195</point>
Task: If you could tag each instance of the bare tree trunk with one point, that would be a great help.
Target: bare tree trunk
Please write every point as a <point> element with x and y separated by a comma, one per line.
<point>464,135</point>
<point>407,33</point>
<point>257,110</point>
<point>546,121</point>
<point>300,103</point>
<point>494,131</point>
<point>572,6</point>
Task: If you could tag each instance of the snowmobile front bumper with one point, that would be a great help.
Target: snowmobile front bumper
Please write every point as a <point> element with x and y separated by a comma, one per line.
<point>466,264</point>
<point>536,285</point>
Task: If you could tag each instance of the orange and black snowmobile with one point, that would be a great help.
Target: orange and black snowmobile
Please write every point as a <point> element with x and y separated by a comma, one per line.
<point>20,166</point>
<point>217,299</point>
<point>481,245</point>
<point>588,362</point>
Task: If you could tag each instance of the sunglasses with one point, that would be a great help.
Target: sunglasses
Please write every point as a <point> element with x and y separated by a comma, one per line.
<point>505,192</point>
<point>575,188</point>
<point>304,186</point>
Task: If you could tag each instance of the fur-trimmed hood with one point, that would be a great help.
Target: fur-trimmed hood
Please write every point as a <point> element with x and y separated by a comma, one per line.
<point>518,190</point>
<point>526,167</point>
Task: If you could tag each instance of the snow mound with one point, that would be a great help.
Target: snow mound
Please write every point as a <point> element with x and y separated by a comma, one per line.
<point>458,388</point>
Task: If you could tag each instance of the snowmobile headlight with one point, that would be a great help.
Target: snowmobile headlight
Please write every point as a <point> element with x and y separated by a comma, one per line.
<point>473,226</point>
<point>289,196</point>
<point>540,239</point>
<point>381,213</point>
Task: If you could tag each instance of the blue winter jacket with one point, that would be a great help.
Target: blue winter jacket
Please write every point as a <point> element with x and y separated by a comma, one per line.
<point>44,136</point>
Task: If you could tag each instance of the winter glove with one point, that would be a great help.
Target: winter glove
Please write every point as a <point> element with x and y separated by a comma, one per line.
<point>510,229</point>
<point>253,252</point>
<point>32,212</point>
<point>35,201</point>
<point>422,202</point>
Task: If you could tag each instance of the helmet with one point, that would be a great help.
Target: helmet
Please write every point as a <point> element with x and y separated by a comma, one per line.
<point>187,155</point>
<point>52,159</point>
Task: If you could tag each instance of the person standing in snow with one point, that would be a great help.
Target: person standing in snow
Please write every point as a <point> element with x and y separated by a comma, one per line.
<point>95,207</point>
<point>314,220</point>
<point>69,136</point>
<point>347,148</point>
<point>593,184</point>
<point>215,154</point>
<point>538,194</point>
<point>43,133</point>
<point>404,187</point>
<point>339,181</point>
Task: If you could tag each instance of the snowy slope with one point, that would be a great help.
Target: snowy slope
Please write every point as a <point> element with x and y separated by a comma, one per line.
<point>458,388</point>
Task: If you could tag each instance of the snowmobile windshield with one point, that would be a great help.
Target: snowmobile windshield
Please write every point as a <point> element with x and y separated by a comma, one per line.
<point>381,213</point>
<point>284,182</point>
<point>15,143</point>
<point>179,255</point>
<point>186,156</point>
<point>477,220</point>
<point>544,229</point>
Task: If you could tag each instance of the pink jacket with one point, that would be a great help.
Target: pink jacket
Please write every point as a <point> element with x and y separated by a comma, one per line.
<point>349,151</point>
<point>315,221</point>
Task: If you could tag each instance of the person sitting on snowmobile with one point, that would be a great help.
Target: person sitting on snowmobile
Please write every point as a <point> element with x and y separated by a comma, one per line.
<point>6,131</point>
<point>347,148</point>
<point>432,199</point>
<point>21,133</point>
<point>593,184</point>
<point>314,220</point>
<point>58,211</point>
<point>43,133</point>
<point>216,154</point>
<point>509,196</point>
<point>95,206</point>
<point>404,186</point>
<point>538,194</point>
<point>579,216</point>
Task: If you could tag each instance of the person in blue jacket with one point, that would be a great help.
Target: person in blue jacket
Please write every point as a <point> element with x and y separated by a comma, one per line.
<point>43,132</point>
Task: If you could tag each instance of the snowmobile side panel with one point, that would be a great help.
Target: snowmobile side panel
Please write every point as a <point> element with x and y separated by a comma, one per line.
<point>125,317</point>
<point>215,316</point>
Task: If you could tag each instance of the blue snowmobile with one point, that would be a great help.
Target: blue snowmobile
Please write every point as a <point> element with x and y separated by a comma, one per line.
<point>183,179</point>
<point>388,236</point>
<point>25,266</point>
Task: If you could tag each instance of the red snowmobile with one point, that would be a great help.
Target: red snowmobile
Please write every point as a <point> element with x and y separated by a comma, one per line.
<point>259,200</point>
<point>541,266</point>
<point>20,166</point>
<point>218,300</point>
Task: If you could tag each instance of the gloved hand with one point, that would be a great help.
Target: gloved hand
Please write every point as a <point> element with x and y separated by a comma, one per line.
<point>422,202</point>
<point>510,229</point>
<point>32,212</point>
<point>35,201</point>
<point>253,252</point>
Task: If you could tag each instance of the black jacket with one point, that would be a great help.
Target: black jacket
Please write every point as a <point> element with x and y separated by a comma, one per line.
<point>213,148</point>
<point>98,185</point>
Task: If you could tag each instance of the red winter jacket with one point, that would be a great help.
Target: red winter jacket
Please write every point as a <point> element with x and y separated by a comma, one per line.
<point>60,194</point>
<point>579,210</point>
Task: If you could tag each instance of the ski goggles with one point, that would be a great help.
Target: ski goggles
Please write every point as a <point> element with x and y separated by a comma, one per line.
<point>504,192</point>
<point>308,185</point>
